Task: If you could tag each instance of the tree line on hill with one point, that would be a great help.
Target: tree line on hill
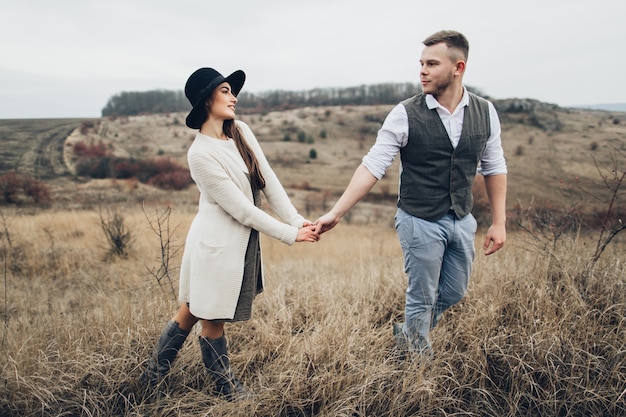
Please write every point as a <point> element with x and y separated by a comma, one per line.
<point>130,103</point>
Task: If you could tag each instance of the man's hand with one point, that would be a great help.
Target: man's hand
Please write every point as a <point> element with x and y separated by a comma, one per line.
<point>496,236</point>
<point>325,223</point>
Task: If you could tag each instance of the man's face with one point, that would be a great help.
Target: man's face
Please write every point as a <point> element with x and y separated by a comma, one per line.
<point>437,69</point>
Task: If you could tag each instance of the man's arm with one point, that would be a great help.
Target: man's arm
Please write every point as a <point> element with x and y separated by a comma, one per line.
<point>361,183</point>
<point>495,186</point>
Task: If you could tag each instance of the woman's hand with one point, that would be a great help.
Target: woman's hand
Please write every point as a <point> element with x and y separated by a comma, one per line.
<point>307,234</point>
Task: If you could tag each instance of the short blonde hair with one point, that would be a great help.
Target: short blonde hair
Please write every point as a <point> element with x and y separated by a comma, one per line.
<point>454,40</point>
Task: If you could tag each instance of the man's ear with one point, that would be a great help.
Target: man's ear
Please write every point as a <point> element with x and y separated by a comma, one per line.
<point>460,67</point>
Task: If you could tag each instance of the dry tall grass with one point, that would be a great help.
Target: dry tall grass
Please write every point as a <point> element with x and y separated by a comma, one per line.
<point>538,333</point>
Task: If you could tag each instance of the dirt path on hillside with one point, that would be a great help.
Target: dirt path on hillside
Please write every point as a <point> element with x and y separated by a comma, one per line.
<point>35,149</point>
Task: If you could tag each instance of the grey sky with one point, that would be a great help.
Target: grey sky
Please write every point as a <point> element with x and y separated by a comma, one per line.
<point>66,58</point>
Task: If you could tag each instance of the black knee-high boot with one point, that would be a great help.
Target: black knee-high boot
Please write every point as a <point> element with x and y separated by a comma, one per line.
<point>165,351</point>
<point>217,363</point>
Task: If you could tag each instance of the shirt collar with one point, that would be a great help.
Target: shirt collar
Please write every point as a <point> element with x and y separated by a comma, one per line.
<point>432,102</point>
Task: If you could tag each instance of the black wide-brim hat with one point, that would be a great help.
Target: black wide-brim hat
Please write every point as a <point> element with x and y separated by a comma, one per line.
<point>199,87</point>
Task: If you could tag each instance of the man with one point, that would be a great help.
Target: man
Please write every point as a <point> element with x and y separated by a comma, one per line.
<point>444,135</point>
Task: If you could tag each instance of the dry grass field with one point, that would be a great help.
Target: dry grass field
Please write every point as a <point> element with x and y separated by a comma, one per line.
<point>541,332</point>
<point>538,333</point>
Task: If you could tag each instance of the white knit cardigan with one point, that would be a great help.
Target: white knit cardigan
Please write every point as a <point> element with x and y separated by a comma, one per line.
<point>213,261</point>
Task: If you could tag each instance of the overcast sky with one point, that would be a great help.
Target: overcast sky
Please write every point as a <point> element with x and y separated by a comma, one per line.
<point>66,58</point>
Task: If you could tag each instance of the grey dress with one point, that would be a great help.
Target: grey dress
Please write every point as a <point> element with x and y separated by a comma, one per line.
<point>252,283</point>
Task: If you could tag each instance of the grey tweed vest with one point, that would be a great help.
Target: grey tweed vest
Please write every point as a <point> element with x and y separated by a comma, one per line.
<point>436,176</point>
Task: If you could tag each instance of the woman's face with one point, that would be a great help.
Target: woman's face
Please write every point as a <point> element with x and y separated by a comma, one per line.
<point>221,105</point>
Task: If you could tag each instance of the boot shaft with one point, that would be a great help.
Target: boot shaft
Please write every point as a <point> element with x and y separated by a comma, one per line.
<point>217,364</point>
<point>215,354</point>
<point>165,352</point>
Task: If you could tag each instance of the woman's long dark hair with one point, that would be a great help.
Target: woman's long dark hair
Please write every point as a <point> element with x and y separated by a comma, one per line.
<point>232,131</point>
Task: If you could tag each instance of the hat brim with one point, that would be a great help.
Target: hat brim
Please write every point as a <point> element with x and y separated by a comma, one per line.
<point>197,115</point>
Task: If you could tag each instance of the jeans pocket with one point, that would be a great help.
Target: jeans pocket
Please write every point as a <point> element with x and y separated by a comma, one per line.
<point>404,228</point>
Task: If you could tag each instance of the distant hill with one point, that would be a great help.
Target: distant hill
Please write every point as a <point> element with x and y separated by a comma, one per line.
<point>552,153</point>
<point>607,107</point>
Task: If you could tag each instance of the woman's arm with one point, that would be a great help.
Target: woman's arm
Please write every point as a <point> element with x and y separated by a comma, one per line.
<point>213,179</point>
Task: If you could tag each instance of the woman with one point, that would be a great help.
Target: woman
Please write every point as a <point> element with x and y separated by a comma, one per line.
<point>221,269</point>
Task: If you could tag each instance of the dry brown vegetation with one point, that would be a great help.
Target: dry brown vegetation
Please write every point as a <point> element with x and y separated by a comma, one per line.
<point>537,334</point>
<point>541,332</point>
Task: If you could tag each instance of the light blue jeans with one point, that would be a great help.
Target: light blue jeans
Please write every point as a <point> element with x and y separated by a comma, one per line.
<point>438,260</point>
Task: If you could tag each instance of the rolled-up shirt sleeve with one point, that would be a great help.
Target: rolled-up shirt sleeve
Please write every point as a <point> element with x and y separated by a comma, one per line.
<point>492,161</point>
<point>392,136</point>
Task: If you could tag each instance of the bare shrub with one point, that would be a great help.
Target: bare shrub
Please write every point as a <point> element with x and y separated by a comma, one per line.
<point>10,186</point>
<point>15,189</point>
<point>118,236</point>
<point>100,167</point>
<point>13,254</point>
<point>612,223</point>
<point>160,225</point>
<point>164,173</point>
<point>125,168</point>
<point>175,180</point>
<point>38,191</point>
<point>89,151</point>
<point>547,223</point>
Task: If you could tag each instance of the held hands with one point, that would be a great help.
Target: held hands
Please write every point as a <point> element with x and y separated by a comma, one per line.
<point>307,233</point>
<point>311,232</point>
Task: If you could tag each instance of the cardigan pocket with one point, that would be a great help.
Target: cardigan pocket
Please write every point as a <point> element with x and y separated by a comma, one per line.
<point>208,249</point>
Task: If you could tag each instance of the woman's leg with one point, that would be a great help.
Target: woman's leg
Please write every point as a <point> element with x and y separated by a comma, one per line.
<point>184,318</point>
<point>212,329</point>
